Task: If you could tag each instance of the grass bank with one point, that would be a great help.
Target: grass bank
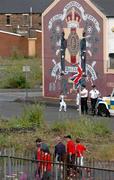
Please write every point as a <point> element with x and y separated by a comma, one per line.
<point>12,75</point>
<point>21,133</point>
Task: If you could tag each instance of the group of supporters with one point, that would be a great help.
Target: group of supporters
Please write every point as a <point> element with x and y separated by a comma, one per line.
<point>71,153</point>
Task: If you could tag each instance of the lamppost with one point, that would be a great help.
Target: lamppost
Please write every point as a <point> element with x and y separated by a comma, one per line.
<point>26,69</point>
<point>30,21</point>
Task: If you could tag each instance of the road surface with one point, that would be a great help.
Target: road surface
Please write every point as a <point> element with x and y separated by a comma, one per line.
<point>10,109</point>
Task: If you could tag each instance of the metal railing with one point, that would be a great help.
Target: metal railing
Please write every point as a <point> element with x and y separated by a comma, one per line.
<point>12,167</point>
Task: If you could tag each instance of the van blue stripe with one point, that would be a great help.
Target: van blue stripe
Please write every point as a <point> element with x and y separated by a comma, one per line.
<point>112,102</point>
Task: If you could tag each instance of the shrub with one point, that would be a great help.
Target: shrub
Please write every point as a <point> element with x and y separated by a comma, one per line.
<point>32,116</point>
<point>11,72</point>
<point>17,81</point>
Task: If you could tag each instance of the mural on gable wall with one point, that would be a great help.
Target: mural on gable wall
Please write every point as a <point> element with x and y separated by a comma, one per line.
<point>71,44</point>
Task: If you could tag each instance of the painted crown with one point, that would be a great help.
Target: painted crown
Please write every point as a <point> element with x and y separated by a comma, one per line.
<point>73,19</point>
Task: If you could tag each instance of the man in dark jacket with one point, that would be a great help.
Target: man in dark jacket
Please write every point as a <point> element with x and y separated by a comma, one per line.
<point>60,153</point>
<point>60,150</point>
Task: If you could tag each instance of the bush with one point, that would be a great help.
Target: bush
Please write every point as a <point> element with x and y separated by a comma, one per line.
<point>17,81</point>
<point>12,75</point>
<point>32,116</point>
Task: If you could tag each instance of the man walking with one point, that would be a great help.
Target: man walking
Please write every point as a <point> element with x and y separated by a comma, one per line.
<point>60,156</point>
<point>94,94</point>
<point>70,148</point>
<point>60,150</point>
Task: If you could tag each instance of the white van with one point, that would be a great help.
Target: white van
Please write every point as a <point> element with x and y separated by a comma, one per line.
<point>105,106</point>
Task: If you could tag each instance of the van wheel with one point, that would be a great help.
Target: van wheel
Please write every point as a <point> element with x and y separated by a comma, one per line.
<point>103,111</point>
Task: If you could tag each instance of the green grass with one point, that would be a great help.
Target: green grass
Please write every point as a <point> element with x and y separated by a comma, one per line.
<point>33,116</point>
<point>12,75</point>
<point>83,127</point>
<point>96,135</point>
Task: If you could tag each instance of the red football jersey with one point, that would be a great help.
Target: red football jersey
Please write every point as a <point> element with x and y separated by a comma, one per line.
<point>46,162</point>
<point>80,148</point>
<point>70,147</point>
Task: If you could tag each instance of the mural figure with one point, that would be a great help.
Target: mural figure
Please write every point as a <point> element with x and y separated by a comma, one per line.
<point>73,20</point>
<point>56,70</point>
<point>62,51</point>
<point>83,52</point>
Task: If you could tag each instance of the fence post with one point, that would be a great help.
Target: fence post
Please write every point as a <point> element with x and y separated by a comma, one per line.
<point>64,170</point>
<point>9,163</point>
<point>4,164</point>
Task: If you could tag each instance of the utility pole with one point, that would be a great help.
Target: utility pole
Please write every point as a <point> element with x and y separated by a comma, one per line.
<point>26,70</point>
<point>30,17</point>
<point>80,100</point>
<point>30,21</point>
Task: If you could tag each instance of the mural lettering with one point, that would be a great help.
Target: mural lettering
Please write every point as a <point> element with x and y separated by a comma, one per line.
<point>74,4</point>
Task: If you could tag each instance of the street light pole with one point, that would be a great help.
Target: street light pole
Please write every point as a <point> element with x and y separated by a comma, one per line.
<point>30,21</point>
<point>30,17</point>
<point>26,69</point>
<point>26,78</point>
<point>80,100</point>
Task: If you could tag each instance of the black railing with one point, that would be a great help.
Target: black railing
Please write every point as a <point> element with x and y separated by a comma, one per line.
<point>12,167</point>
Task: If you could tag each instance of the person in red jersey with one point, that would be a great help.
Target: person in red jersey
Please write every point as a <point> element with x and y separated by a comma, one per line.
<point>45,164</point>
<point>40,145</point>
<point>79,150</point>
<point>70,146</point>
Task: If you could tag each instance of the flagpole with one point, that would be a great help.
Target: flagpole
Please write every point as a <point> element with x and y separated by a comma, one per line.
<point>80,100</point>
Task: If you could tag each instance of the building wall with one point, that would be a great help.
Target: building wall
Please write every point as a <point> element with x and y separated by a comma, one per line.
<point>11,43</point>
<point>111,43</point>
<point>17,21</point>
<point>55,20</point>
<point>111,35</point>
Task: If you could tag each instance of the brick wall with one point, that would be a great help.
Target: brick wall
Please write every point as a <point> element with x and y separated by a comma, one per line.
<point>18,19</point>
<point>11,43</point>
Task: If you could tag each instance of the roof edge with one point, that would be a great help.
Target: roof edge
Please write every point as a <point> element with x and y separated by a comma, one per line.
<point>10,33</point>
<point>50,7</point>
<point>91,4</point>
<point>110,16</point>
<point>98,11</point>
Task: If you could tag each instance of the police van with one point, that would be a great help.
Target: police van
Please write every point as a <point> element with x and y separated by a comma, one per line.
<point>105,105</point>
